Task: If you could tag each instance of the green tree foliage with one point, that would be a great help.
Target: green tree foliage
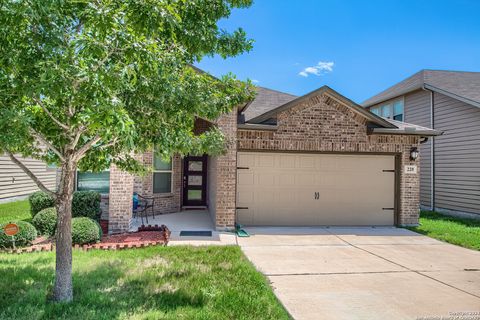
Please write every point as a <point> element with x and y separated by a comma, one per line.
<point>86,84</point>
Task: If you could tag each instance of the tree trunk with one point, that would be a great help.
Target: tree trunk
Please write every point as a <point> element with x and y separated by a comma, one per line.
<point>63,289</point>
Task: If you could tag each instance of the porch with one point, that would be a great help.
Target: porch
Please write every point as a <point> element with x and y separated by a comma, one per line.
<point>185,181</point>
<point>182,223</point>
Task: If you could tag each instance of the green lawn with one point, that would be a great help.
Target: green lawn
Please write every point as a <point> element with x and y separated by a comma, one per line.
<point>459,231</point>
<point>19,210</point>
<point>153,283</point>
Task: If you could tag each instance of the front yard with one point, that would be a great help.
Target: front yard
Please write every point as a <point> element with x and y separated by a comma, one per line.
<point>462,232</point>
<point>18,210</point>
<point>150,283</point>
<point>162,282</point>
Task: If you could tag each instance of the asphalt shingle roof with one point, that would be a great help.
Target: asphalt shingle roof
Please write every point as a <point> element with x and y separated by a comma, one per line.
<point>266,100</point>
<point>458,84</point>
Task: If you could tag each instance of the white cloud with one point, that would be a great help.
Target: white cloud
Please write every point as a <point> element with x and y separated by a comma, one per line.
<point>255,81</point>
<point>320,69</point>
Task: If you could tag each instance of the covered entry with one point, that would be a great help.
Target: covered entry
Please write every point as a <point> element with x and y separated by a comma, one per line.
<point>297,189</point>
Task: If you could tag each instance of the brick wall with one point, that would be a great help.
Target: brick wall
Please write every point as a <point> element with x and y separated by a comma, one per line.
<point>104,203</point>
<point>212,187</point>
<point>226,174</point>
<point>120,200</point>
<point>164,203</point>
<point>322,124</point>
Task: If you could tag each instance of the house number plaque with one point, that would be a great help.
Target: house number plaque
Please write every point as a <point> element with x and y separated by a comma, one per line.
<point>410,169</point>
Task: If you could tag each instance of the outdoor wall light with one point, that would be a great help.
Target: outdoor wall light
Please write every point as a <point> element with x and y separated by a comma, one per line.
<point>414,154</point>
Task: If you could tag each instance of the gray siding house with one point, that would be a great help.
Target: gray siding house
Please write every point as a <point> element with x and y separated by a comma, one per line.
<point>447,101</point>
<point>15,184</point>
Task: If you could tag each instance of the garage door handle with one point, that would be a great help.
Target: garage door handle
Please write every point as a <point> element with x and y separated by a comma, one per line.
<point>243,168</point>
<point>385,170</point>
<point>241,207</point>
<point>388,208</point>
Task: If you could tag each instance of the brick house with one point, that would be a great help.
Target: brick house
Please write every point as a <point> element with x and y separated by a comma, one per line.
<point>318,159</point>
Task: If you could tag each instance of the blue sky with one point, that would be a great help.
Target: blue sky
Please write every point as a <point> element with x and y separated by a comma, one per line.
<point>356,47</point>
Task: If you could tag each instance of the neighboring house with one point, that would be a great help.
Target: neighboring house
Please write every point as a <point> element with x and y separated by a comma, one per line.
<point>319,159</point>
<point>15,184</point>
<point>448,101</point>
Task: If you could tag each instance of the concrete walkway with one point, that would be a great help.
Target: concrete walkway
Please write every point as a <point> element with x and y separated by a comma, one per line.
<point>366,273</point>
<point>193,220</point>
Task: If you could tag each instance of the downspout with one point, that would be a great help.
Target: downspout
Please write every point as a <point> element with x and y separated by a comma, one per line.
<point>432,152</point>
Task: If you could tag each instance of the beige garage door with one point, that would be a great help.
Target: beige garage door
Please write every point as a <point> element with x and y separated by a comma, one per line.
<point>290,189</point>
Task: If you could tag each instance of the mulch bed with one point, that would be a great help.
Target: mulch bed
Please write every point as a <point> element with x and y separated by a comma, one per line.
<point>145,237</point>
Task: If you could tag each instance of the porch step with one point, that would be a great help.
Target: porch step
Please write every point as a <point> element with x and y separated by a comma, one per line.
<point>185,208</point>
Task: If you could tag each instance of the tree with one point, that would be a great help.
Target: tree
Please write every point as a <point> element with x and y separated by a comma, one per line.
<point>86,84</point>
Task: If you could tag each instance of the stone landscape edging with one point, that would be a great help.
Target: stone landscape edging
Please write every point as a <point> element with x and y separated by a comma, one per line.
<point>99,246</point>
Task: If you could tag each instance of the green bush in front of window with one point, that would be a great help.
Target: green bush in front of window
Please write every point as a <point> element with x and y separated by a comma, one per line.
<point>40,200</point>
<point>46,222</point>
<point>86,204</point>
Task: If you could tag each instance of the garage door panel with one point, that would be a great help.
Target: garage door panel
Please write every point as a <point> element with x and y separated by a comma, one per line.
<point>286,179</point>
<point>245,197</point>
<point>266,179</point>
<point>287,161</point>
<point>245,160</point>
<point>245,178</point>
<point>306,162</point>
<point>266,161</point>
<point>245,217</point>
<point>315,189</point>
<point>304,179</point>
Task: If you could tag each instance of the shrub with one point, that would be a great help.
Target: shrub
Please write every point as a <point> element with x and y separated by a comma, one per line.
<point>24,237</point>
<point>85,230</point>
<point>40,200</point>
<point>46,221</point>
<point>86,204</point>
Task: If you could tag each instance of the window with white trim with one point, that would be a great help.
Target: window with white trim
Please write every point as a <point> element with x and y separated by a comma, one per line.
<point>162,175</point>
<point>392,110</point>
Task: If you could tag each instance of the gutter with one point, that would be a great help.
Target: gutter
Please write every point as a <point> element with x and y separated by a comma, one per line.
<point>407,131</point>
<point>255,126</point>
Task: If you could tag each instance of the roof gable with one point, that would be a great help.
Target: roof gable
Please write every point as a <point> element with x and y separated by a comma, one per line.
<point>460,85</point>
<point>331,94</point>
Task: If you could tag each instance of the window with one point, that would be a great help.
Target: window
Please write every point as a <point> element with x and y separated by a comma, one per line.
<point>94,181</point>
<point>392,110</point>
<point>386,111</point>
<point>398,110</point>
<point>162,175</point>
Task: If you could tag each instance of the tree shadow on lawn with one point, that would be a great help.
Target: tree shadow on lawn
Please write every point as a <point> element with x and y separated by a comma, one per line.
<point>108,290</point>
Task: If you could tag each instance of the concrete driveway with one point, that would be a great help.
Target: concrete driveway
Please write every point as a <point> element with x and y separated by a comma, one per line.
<point>366,273</point>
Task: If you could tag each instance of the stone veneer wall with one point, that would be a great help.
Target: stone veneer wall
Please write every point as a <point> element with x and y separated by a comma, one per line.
<point>321,124</point>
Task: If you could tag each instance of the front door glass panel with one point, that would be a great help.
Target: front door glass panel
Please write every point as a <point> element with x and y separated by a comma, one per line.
<point>194,181</point>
